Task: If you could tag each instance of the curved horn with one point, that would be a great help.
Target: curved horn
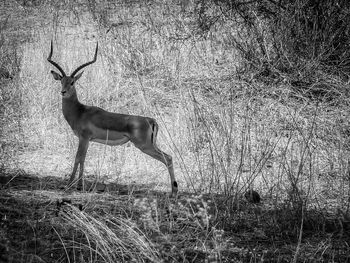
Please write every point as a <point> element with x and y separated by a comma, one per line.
<point>54,63</point>
<point>87,63</point>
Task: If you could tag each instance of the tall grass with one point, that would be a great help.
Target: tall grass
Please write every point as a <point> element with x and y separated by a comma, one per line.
<point>237,110</point>
<point>227,131</point>
<point>112,239</point>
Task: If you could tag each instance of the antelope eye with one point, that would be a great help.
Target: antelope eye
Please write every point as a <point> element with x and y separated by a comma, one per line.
<point>72,83</point>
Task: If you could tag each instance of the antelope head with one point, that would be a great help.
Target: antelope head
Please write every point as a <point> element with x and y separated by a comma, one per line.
<point>68,82</point>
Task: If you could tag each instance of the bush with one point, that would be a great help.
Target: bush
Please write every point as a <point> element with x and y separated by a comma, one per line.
<point>301,43</point>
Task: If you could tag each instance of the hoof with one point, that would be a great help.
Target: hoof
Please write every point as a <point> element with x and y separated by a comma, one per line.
<point>174,192</point>
<point>174,189</point>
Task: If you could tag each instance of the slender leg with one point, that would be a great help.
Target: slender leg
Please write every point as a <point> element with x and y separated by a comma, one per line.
<point>79,160</point>
<point>72,176</point>
<point>159,155</point>
<point>145,139</point>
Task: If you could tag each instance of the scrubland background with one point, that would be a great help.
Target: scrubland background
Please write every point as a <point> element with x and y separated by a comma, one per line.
<point>248,94</point>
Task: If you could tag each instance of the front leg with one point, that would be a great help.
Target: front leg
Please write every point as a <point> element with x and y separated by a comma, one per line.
<point>79,160</point>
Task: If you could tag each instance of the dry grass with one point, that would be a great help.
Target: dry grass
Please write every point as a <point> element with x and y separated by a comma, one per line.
<point>112,239</point>
<point>40,224</point>
<point>227,132</point>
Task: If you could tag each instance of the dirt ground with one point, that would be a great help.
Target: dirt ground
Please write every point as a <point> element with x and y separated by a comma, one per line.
<point>42,222</point>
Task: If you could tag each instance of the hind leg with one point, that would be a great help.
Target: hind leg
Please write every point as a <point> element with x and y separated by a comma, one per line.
<point>144,138</point>
<point>161,156</point>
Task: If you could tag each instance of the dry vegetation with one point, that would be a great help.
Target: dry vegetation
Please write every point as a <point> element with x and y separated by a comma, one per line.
<point>248,95</point>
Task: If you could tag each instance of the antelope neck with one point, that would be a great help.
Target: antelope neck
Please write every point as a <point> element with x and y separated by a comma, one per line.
<point>72,109</point>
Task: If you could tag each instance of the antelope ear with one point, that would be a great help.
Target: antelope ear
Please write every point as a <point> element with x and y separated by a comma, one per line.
<point>78,76</point>
<point>56,76</point>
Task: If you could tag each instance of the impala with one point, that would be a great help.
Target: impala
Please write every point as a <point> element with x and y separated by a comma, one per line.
<point>94,124</point>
